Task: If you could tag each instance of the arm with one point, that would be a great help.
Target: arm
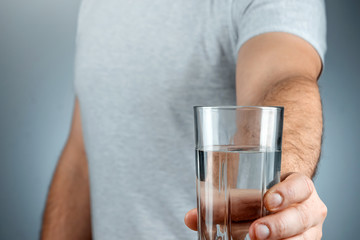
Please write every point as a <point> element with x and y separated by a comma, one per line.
<point>67,211</point>
<point>281,69</point>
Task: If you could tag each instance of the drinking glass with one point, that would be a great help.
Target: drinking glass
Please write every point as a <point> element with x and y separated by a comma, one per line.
<point>238,158</point>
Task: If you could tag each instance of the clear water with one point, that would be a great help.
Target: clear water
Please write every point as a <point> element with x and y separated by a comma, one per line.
<point>231,182</point>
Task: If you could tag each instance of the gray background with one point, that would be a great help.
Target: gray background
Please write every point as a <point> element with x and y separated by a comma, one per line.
<point>36,98</point>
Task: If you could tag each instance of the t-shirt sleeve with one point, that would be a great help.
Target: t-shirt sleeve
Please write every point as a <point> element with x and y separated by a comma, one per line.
<point>304,18</point>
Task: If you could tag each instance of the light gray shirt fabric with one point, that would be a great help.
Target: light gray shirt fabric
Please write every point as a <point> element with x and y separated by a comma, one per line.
<point>140,68</point>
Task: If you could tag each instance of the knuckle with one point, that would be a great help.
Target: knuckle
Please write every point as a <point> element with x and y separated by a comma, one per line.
<point>279,227</point>
<point>309,184</point>
<point>289,192</point>
<point>324,210</point>
<point>303,216</point>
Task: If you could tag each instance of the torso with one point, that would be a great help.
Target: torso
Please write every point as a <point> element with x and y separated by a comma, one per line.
<point>141,66</point>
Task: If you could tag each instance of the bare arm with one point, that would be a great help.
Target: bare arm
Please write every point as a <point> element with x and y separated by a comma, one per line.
<point>67,212</point>
<point>279,69</point>
<point>282,69</point>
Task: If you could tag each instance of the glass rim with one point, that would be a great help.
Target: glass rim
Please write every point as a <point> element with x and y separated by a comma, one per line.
<point>278,108</point>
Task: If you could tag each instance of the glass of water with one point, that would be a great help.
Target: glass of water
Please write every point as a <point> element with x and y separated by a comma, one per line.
<point>238,158</point>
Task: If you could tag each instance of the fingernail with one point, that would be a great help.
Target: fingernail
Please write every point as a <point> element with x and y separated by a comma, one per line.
<point>274,200</point>
<point>262,231</point>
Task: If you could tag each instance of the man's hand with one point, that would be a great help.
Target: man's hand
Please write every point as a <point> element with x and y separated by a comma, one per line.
<point>298,211</point>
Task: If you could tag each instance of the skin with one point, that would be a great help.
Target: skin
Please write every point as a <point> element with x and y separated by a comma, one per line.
<point>280,69</point>
<point>67,211</point>
<point>272,69</point>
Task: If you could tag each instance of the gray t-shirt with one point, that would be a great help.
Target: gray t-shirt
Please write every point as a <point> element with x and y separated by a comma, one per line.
<point>140,68</point>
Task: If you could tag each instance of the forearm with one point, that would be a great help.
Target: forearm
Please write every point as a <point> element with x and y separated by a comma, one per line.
<point>302,122</point>
<point>280,69</point>
<point>67,212</point>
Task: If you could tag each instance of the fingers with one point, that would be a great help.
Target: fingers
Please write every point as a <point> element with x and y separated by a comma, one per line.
<point>294,189</point>
<point>298,211</point>
<point>291,221</point>
<point>191,219</point>
<point>314,233</point>
<point>278,226</point>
